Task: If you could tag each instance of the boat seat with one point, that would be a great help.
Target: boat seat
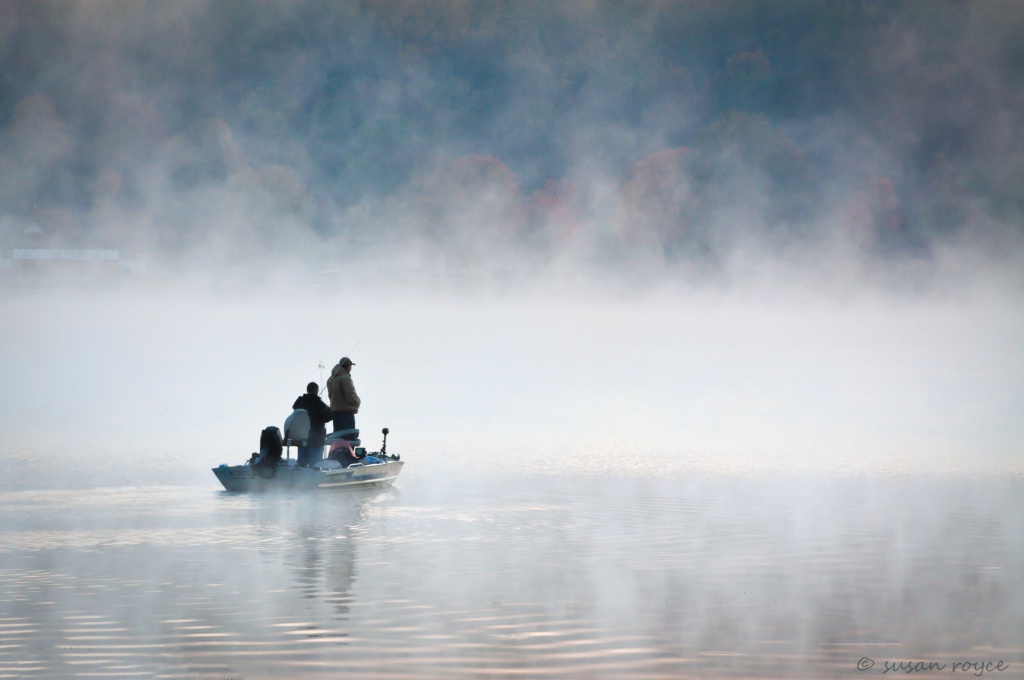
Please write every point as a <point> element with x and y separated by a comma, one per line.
<point>351,436</point>
<point>296,428</point>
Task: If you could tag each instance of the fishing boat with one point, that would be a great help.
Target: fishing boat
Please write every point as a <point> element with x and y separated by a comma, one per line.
<point>347,465</point>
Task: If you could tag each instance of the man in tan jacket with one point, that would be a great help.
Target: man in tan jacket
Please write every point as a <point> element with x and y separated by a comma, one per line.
<point>344,400</point>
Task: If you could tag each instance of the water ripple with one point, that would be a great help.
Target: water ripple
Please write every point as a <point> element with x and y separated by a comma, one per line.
<point>726,579</point>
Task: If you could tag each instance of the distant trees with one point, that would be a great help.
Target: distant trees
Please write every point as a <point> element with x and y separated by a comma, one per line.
<point>678,127</point>
<point>37,152</point>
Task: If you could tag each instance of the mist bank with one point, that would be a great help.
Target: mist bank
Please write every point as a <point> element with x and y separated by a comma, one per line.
<point>667,381</point>
<point>679,135</point>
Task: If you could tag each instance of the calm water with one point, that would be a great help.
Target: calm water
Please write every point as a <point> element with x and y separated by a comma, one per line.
<point>514,575</point>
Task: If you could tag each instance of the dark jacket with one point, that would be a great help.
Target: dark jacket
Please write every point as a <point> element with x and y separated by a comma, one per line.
<point>319,415</point>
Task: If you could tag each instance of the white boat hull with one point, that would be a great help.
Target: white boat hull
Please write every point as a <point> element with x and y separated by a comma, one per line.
<point>245,478</point>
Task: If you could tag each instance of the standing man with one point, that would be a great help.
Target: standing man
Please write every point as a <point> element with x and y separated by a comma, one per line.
<point>319,415</point>
<point>344,400</point>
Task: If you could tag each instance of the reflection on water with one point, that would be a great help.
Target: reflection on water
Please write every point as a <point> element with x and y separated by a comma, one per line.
<point>711,576</point>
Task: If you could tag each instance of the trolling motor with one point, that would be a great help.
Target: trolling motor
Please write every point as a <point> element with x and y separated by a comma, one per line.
<point>384,447</point>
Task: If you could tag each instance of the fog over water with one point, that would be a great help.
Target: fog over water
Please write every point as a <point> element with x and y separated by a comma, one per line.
<point>600,481</point>
<point>698,326</point>
<point>785,380</point>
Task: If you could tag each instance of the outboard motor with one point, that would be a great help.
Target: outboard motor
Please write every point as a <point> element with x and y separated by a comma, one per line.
<point>271,446</point>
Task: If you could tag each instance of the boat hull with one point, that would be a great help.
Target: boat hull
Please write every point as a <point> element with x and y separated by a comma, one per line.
<point>243,478</point>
